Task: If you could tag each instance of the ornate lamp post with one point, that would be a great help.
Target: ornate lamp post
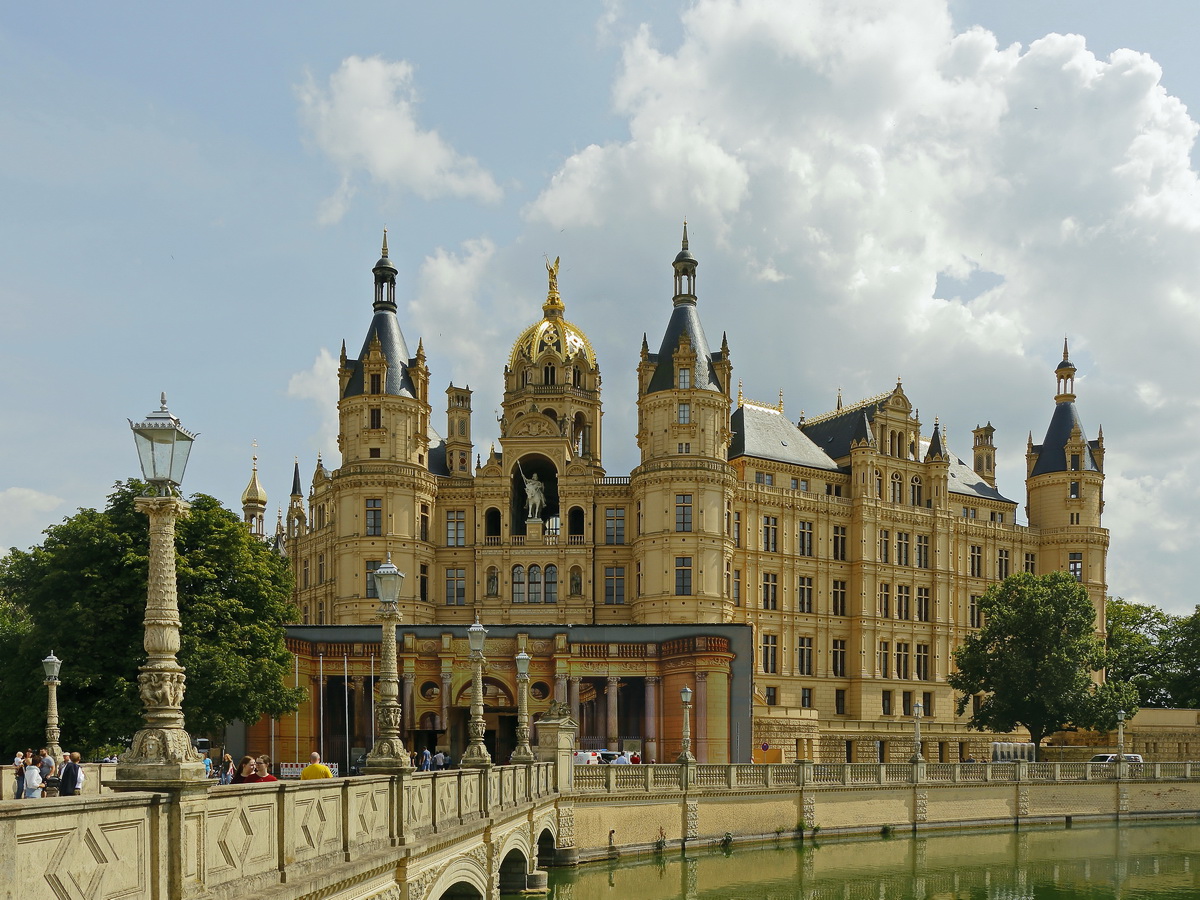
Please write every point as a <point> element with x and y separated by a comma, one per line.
<point>685,755</point>
<point>1120,739</point>
<point>916,756</point>
<point>52,664</point>
<point>162,751</point>
<point>477,756</point>
<point>523,753</point>
<point>388,754</point>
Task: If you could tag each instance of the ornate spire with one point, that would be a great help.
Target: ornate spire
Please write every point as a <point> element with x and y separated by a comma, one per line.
<point>384,252</point>
<point>553,307</point>
<point>297,490</point>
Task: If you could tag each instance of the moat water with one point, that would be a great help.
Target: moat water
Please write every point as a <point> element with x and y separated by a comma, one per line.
<point>1085,862</point>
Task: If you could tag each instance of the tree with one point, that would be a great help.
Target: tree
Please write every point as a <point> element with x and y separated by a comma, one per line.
<point>1181,661</point>
<point>1136,649</point>
<point>1033,659</point>
<point>83,592</point>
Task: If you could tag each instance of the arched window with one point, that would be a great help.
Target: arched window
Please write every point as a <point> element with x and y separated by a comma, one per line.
<point>551,584</point>
<point>518,584</point>
<point>305,613</point>
<point>577,376</point>
<point>321,613</point>
<point>878,484</point>
<point>491,523</point>
<point>897,488</point>
<point>915,492</point>
<point>535,584</point>
<point>575,521</point>
<point>548,374</point>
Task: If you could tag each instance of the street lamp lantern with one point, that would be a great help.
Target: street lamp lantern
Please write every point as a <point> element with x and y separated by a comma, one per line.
<point>523,753</point>
<point>163,447</point>
<point>53,665</point>
<point>388,755</point>
<point>916,756</point>
<point>476,755</point>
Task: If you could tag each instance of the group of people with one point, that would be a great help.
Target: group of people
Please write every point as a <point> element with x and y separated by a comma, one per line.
<point>626,759</point>
<point>257,769</point>
<point>429,761</point>
<point>32,770</point>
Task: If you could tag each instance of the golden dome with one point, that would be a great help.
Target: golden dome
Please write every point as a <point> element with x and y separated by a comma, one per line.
<point>254,493</point>
<point>553,332</point>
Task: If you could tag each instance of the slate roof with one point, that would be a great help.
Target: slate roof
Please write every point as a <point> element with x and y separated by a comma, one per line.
<point>1052,452</point>
<point>767,434</point>
<point>966,481</point>
<point>386,327</point>
<point>835,433</point>
<point>684,320</point>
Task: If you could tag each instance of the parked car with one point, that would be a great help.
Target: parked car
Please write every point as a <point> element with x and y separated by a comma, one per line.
<point>1112,758</point>
<point>587,757</point>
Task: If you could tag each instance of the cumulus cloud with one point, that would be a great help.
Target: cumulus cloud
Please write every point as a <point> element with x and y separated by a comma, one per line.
<point>24,511</point>
<point>365,121</point>
<point>319,385</point>
<point>836,158</point>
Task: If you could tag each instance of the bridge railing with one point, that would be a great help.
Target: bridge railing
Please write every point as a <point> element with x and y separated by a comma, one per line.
<point>708,777</point>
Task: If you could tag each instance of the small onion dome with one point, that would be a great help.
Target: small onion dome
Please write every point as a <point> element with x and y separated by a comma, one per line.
<point>254,493</point>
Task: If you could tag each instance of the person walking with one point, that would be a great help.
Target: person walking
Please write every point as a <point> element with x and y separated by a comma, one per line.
<point>426,760</point>
<point>68,776</point>
<point>228,769</point>
<point>315,769</point>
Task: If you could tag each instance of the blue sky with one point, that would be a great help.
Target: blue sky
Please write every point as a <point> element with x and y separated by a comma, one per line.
<point>193,201</point>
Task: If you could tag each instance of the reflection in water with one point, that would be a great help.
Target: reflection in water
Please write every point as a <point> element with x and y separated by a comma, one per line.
<point>1094,862</point>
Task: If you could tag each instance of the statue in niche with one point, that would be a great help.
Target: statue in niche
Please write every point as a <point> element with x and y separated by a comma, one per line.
<point>493,583</point>
<point>535,494</point>
<point>576,583</point>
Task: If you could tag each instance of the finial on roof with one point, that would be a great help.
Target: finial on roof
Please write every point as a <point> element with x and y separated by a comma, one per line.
<point>384,252</point>
<point>740,397</point>
<point>1065,354</point>
<point>685,241</point>
<point>839,399</point>
<point>781,399</point>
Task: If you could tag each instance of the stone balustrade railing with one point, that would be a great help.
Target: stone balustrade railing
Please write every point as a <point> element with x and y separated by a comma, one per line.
<point>667,777</point>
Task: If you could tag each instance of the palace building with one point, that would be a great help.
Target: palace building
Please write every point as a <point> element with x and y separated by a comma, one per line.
<point>808,579</point>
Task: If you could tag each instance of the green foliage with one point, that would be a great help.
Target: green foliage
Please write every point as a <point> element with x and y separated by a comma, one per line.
<point>83,592</point>
<point>1033,659</point>
<point>1137,649</point>
<point>1181,661</point>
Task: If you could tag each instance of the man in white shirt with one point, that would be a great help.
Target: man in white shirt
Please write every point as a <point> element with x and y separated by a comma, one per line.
<point>621,760</point>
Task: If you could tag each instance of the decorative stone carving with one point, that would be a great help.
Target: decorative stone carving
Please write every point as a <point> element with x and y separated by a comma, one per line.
<point>810,810</point>
<point>922,811</point>
<point>1023,801</point>
<point>693,819</point>
<point>566,825</point>
<point>419,885</point>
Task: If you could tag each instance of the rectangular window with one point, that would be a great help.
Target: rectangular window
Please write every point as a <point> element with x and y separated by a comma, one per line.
<point>795,483</point>
<point>737,529</point>
<point>806,698</point>
<point>974,617</point>
<point>887,703</point>
<point>903,601</point>
<point>1074,462</point>
<point>804,539</point>
<point>922,662</point>
<point>683,512</point>
<point>770,533</point>
<point>304,575</point>
<point>456,587</point>
<point>374,517</point>
<point>968,512</point>
<point>685,379</point>
<point>833,490</point>
<point>804,656</point>
<point>839,658</point>
<point>685,414</point>
<point>922,551</point>
<point>885,655</point>
<point>456,528</point>
<point>1002,564</point>
<point>838,596</point>
<point>885,600</point>
<point>423,525</point>
<point>614,525</point>
<point>737,587</point>
<point>927,703</point>
<point>997,517</point>
<point>923,604</point>
<point>376,383</point>
<point>770,590</point>
<point>804,594</point>
<point>424,583</point>
<point>685,447</point>
<point>902,548</point>
<point>976,561</point>
<point>901,660</point>
<point>375,417</point>
<point>767,478</point>
<point>839,709</point>
<point>683,576</point>
<point>1074,490</point>
<point>372,589</point>
<point>320,568</point>
<point>614,585</point>
<point>770,647</point>
<point>804,484</point>
<point>1031,563</point>
<point>839,542</point>
<point>772,695</point>
<point>906,701</point>
<point>884,541</point>
<point>1075,565</point>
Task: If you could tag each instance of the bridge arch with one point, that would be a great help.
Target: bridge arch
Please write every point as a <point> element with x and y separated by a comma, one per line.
<point>463,879</point>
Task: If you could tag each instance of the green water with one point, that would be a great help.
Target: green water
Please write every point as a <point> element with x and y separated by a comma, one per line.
<point>1087,862</point>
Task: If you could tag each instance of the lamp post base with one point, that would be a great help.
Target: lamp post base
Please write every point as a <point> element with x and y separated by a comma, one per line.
<point>160,755</point>
<point>476,757</point>
<point>388,757</point>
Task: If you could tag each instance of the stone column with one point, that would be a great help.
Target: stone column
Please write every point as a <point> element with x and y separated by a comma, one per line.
<point>407,699</point>
<point>650,729</point>
<point>701,717</point>
<point>573,698</point>
<point>560,688</point>
<point>611,737</point>
<point>446,676</point>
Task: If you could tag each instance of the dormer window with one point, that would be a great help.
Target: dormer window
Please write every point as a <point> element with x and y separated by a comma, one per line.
<point>376,383</point>
<point>1074,462</point>
<point>685,379</point>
